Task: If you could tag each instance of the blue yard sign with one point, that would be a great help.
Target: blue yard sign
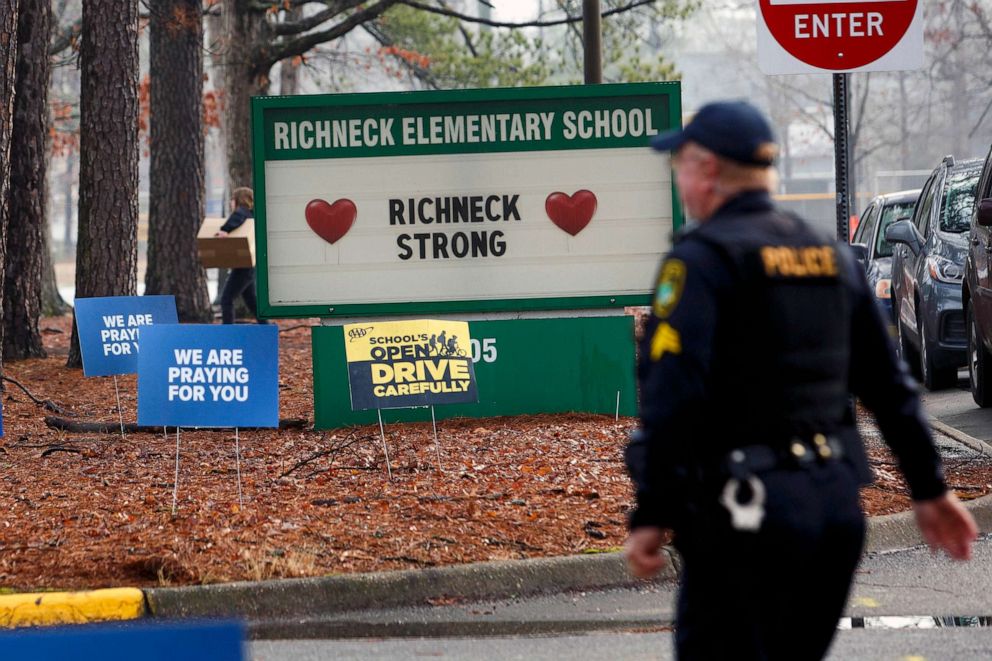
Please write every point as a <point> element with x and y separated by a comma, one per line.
<point>194,375</point>
<point>110,330</point>
<point>148,641</point>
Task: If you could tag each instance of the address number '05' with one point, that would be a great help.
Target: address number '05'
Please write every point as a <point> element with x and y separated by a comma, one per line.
<point>484,350</point>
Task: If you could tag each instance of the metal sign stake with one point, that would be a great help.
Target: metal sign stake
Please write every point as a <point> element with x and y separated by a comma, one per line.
<point>437,445</point>
<point>175,485</point>
<point>237,459</point>
<point>385,450</point>
<point>120,413</point>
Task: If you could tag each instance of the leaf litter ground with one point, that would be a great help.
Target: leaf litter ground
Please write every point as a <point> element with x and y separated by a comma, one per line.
<point>88,510</point>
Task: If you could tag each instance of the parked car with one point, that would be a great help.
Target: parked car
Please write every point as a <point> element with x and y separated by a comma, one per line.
<point>927,270</point>
<point>976,292</point>
<point>871,247</point>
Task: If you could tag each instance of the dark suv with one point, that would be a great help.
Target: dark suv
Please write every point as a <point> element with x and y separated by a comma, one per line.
<point>927,269</point>
<point>871,248</point>
<point>976,292</point>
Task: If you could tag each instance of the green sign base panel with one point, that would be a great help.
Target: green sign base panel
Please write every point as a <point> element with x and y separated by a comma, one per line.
<point>523,366</point>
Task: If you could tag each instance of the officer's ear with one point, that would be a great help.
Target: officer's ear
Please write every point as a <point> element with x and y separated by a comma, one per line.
<point>702,161</point>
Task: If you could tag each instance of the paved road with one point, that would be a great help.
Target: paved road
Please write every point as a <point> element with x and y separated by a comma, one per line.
<point>864,645</point>
<point>902,605</point>
<point>956,408</point>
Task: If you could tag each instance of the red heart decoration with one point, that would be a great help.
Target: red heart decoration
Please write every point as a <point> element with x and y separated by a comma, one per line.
<point>571,212</point>
<point>331,221</point>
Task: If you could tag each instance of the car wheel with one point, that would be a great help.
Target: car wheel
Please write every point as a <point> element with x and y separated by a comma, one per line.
<point>932,377</point>
<point>906,350</point>
<point>979,365</point>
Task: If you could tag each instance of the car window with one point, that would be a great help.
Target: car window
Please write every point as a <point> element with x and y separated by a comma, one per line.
<point>959,201</point>
<point>866,226</point>
<point>986,179</point>
<point>890,214</point>
<point>922,214</point>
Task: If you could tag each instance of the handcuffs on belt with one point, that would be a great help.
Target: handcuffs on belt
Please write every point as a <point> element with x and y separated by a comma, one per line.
<point>742,464</point>
<point>747,516</point>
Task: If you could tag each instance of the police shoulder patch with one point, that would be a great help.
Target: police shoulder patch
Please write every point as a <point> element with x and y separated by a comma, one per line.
<point>671,282</point>
<point>665,340</point>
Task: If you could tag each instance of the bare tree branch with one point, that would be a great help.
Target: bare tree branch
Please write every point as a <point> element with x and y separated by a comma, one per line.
<point>861,116</point>
<point>299,46</point>
<point>528,24</point>
<point>335,448</point>
<point>988,106</point>
<point>461,29</point>
<point>422,74</point>
<point>47,403</point>
<point>310,22</point>
<point>63,38</point>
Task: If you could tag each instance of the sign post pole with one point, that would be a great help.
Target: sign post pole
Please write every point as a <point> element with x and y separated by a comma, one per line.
<point>840,37</point>
<point>592,37</point>
<point>842,152</point>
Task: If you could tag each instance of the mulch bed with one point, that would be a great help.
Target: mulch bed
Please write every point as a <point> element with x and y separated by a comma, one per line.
<point>85,510</point>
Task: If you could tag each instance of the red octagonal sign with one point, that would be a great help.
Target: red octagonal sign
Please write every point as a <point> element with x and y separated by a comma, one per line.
<point>838,35</point>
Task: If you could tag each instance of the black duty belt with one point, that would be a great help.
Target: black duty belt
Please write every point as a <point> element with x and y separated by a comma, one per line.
<point>798,453</point>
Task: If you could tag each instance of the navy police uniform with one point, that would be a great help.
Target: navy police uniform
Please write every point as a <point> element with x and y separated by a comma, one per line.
<point>760,331</point>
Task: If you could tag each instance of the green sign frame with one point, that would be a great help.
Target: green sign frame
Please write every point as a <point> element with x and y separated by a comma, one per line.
<point>265,111</point>
<point>523,366</point>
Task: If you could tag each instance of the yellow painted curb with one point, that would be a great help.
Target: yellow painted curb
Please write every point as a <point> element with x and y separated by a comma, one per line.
<point>46,608</point>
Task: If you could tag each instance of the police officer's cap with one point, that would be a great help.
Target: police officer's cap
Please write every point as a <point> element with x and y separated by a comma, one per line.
<point>735,130</point>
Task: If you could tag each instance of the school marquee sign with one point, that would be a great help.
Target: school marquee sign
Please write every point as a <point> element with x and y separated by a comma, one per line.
<point>467,201</point>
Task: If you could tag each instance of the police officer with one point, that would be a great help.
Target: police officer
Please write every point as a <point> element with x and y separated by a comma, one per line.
<point>747,453</point>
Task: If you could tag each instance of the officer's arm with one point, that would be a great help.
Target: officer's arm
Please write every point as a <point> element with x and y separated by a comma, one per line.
<point>674,365</point>
<point>882,383</point>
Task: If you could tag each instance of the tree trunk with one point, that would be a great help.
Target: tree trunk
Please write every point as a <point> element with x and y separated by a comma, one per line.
<point>175,201</point>
<point>8,81</point>
<point>69,208</point>
<point>216,46</point>
<point>289,69</point>
<point>289,77</point>
<point>52,303</point>
<point>26,245</point>
<point>107,245</point>
<point>245,30</point>
<point>214,25</point>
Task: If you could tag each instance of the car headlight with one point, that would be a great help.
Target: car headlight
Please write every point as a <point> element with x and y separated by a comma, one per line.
<point>944,269</point>
<point>883,288</point>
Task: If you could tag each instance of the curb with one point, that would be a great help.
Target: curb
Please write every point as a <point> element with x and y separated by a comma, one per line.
<point>268,602</point>
<point>893,532</point>
<point>287,598</point>
<point>48,608</point>
<point>975,444</point>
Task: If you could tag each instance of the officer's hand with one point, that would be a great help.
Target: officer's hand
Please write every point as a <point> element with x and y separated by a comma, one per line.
<point>643,550</point>
<point>947,525</point>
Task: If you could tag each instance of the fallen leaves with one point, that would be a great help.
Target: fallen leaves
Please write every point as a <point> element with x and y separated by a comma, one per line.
<point>315,503</point>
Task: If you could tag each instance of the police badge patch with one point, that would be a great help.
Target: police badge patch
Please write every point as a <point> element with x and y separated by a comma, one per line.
<point>671,281</point>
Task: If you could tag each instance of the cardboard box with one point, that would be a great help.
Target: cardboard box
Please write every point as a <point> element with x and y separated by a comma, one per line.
<point>236,250</point>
